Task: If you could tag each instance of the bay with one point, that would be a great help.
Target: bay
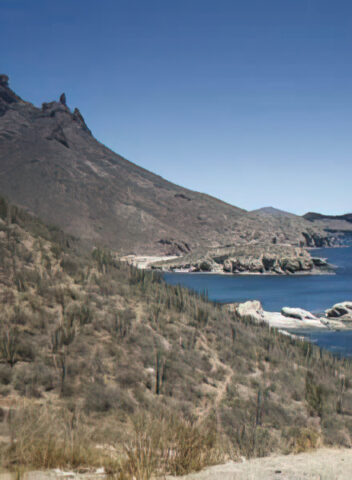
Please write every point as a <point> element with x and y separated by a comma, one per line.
<point>315,293</point>
<point>311,292</point>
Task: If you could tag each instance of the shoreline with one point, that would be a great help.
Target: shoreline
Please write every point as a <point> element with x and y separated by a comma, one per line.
<point>280,263</point>
<point>249,274</point>
<point>288,319</point>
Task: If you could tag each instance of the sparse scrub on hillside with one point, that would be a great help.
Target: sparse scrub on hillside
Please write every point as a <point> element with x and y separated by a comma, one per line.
<point>47,438</point>
<point>96,333</point>
<point>166,445</point>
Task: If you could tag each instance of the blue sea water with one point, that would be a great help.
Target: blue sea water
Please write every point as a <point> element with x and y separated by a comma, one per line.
<point>311,292</point>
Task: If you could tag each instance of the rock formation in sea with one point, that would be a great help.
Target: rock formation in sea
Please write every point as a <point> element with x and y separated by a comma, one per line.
<point>341,311</point>
<point>289,317</point>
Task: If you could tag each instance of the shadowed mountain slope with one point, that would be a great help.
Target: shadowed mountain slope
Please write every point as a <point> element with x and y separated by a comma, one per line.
<point>52,165</point>
<point>333,223</point>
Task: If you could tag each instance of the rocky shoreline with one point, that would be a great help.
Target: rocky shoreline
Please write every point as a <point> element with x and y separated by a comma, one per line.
<point>250,259</point>
<point>338,317</point>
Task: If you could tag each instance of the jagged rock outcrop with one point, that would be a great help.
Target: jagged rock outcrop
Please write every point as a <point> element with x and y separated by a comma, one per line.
<point>250,311</point>
<point>7,96</point>
<point>342,311</point>
<point>63,99</point>
<point>293,318</point>
<point>298,313</point>
<point>320,262</point>
<point>253,311</point>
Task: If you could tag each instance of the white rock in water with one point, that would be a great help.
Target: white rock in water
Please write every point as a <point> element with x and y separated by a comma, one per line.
<point>339,310</point>
<point>297,313</point>
<point>251,310</point>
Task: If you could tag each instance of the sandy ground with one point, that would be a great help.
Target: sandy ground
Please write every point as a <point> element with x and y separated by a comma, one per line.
<point>324,464</point>
<point>144,261</point>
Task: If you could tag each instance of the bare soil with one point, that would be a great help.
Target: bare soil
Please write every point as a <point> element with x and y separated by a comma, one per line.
<point>323,464</point>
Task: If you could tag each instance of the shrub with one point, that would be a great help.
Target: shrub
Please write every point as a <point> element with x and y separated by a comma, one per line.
<point>252,440</point>
<point>314,395</point>
<point>101,398</point>
<point>5,374</point>
<point>168,444</point>
<point>47,438</point>
<point>9,344</point>
<point>30,379</point>
<point>302,439</point>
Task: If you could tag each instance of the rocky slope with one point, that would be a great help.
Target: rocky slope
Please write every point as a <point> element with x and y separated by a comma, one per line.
<point>51,164</point>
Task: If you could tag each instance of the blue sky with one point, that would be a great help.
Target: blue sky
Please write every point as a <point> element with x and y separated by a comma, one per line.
<point>247,100</point>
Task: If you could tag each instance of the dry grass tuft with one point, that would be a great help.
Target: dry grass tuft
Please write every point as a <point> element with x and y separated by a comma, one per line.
<point>166,446</point>
<point>46,437</point>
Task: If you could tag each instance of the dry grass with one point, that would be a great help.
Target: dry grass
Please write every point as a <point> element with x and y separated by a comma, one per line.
<point>166,445</point>
<point>86,330</point>
<point>46,437</point>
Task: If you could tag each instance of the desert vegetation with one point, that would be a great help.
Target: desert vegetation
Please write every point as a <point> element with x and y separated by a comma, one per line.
<point>102,364</point>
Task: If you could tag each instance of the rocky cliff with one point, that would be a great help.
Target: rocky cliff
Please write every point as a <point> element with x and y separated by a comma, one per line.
<point>253,258</point>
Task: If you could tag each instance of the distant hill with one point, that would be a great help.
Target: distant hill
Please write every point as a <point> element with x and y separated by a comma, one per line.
<point>51,165</point>
<point>312,216</point>
<point>275,212</point>
<point>332,223</point>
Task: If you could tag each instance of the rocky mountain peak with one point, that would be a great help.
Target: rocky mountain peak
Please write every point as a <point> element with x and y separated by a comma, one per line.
<point>56,109</point>
<point>7,96</point>
<point>63,99</point>
<point>4,80</point>
<point>78,117</point>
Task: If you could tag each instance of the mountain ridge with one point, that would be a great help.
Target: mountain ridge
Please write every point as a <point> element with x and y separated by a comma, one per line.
<point>51,164</point>
<point>320,216</point>
<point>337,224</point>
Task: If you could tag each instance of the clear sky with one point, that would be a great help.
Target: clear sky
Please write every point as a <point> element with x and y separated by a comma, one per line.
<point>247,100</point>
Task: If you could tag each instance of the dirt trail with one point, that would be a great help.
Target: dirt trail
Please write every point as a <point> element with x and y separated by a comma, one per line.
<point>220,394</point>
<point>323,464</point>
<point>221,388</point>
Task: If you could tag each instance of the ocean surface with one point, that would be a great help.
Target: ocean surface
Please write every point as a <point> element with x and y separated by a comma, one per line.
<point>311,292</point>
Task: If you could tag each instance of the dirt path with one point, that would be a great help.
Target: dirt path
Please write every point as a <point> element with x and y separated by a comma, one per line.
<point>324,464</point>
<point>221,388</point>
<point>213,406</point>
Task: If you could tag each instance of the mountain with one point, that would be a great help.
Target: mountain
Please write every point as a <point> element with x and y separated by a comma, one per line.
<point>51,164</point>
<point>274,212</point>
